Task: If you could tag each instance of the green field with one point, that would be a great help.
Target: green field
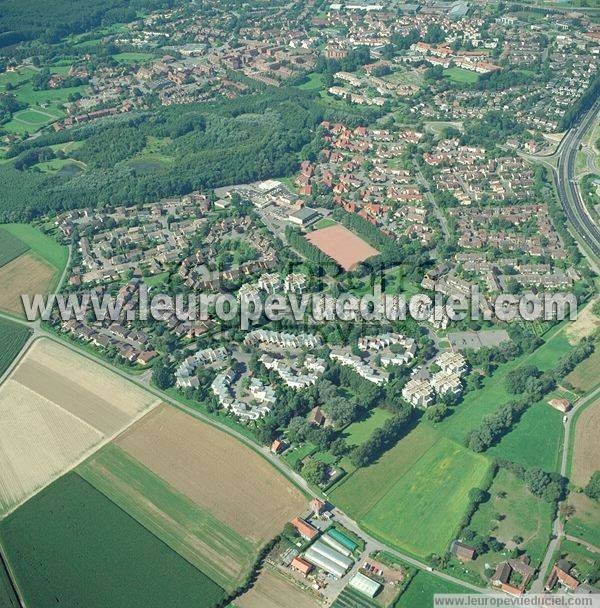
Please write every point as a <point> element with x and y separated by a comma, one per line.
<point>10,247</point>
<point>583,560</point>
<point>195,534</point>
<point>361,491</point>
<point>71,546</point>
<point>478,404</point>
<point>8,596</point>
<point>351,598</point>
<point>315,81</point>
<point>409,515</point>
<point>524,514</point>
<point>422,588</point>
<point>295,455</point>
<point>536,440</point>
<point>461,76</point>
<point>359,432</point>
<point>45,246</point>
<point>133,57</point>
<point>324,223</point>
<point>12,337</point>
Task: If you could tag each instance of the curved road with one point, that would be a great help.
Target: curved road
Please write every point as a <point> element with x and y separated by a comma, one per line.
<point>568,190</point>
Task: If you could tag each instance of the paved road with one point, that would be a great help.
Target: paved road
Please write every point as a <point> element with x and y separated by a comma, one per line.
<point>568,190</point>
<point>557,527</point>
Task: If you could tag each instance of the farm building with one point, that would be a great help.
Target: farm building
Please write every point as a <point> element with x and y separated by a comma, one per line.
<point>328,559</point>
<point>335,545</point>
<point>305,530</point>
<point>364,585</point>
<point>463,552</point>
<point>318,506</point>
<point>342,538</point>
<point>301,565</point>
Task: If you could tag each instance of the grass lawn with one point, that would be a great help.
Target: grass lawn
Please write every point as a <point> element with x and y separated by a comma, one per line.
<point>361,491</point>
<point>295,455</point>
<point>525,515</point>
<point>536,441</point>
<point>359,432</point>
<point>45,246</point>
<point>71,546</point>
<point>315,81</point>
<point>12,337</point>
<point>10,247</point>
<point>324,223</point>
<point>478,404</point>
<point>462,76</point>
<point>582,559</point>
<point>193,533</point>
<point>409,515</point>
<point>156,279</point>
<point>422,588</point>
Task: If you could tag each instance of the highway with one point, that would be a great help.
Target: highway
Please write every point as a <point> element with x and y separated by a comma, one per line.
<point>568,190</point>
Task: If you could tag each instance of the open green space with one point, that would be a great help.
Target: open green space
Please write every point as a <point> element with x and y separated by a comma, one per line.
<point>8,595</point>
<point>351,598</point>
<point>315,81</point>
<point>324,223</point>
<point>62,166</point>
<point>479,403</point>
<point>71,546</point>
<point>523,514</point>
<point>359,432</point>
<point>461,75</point>
<point>422,588</point>
<point>362,490</point>
<point>10,247</point>
<point>192,532</point>
<point>408,516</point>
<point>296,454</point>
<point>536,440</point>
<point>12,337</point>
<point>584,561</point>
<point>45,246</point>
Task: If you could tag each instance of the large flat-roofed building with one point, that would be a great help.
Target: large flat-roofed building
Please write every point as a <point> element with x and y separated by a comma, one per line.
<point>304,217</point>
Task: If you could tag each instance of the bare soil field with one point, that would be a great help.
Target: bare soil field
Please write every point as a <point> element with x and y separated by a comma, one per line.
<point>236,485</point>
<point>38,442</point>
<point>587,322</point>
<point>347,249</point>
<point>26,274</point>
<point>272,590</point>
<point>82,387</point>
<point>586,456</point>
<point>56,408</point>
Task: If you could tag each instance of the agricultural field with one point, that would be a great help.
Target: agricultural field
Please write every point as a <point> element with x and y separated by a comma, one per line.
<point>358,432</point>
<point>587,322</point>
<point>8,595</point>
<point>422,588</point>
<point>585,523</point>
<point>177,448</point>
<point>12,337</point>
<point>10,247</point>
<point>541,421</point>
<point>358,493</point>
<point>192,532</point>
<point>585,459</point>
<point>27,274</point>
<point>60,540</point>
<point>408,516</point>
<point>351,598</point>
<point>585,376</point>
<point>43,245</point>
<point>55,408</point>
<point>525,515</point>
<point>272,590</point>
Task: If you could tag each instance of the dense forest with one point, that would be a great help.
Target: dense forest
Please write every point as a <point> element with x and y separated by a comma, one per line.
<point>49,21</point>
<point>202,146</point>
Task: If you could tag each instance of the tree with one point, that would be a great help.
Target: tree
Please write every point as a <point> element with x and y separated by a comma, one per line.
<point>517,380</point>
<point>162,375</point>
<point>593,488</point>
<point>315,472</point>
